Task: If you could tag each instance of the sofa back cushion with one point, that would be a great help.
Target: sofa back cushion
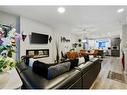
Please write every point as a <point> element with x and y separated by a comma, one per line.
<point>56,70</point>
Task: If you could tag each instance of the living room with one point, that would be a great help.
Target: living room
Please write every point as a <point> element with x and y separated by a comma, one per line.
<point>53,34</point>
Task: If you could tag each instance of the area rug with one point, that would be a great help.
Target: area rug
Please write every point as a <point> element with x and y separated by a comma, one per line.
<point>116,76</point>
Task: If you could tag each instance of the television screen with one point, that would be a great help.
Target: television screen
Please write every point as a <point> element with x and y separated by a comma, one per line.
<point>37,38</point>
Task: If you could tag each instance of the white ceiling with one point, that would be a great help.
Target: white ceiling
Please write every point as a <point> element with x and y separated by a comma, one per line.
<point>97,20</point>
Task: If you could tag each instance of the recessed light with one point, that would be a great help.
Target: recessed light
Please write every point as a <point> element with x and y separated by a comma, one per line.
<point>120,10</point>
<point>61,9</point>
<point>84,41</point>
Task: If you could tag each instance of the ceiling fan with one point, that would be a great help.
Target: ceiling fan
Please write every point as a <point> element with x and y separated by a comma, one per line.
<point>84,29</point>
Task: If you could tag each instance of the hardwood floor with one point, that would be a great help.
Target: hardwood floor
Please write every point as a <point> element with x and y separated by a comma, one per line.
<point>110,64</point>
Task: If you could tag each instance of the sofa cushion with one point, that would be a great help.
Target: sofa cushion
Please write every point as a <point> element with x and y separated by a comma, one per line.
<point>74,76</point>
<point>56,70</point>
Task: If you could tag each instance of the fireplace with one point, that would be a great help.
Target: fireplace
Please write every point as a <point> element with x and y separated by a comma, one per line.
<point>38,53</point>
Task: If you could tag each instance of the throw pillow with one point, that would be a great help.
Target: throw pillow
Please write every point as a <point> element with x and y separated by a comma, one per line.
<point>54,71</point>
<point>31,61</point>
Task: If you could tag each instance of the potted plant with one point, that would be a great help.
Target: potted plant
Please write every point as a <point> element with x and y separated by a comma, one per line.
<point>6,64</point>
<point>7,37</point>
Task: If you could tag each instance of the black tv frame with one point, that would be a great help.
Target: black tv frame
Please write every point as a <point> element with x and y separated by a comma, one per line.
<point>37,42</point>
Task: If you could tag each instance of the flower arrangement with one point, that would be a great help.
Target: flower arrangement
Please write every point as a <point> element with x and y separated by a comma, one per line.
<point>8,37</point>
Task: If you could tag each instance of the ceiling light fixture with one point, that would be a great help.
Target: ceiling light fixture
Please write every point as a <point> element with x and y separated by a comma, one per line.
<point>120,10</point>
<point>84,41</point>
<point>61,9</point>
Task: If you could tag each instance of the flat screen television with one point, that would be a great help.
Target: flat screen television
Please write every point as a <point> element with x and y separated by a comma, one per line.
<point>37,38</point>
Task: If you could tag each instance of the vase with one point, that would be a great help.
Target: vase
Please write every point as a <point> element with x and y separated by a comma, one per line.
<point>4,78</point>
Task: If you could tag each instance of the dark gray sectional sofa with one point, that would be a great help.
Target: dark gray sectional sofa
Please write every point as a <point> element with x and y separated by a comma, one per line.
<point>80,77</point>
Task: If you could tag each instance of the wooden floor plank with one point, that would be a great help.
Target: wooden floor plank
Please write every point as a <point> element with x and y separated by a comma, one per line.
<point>102,82</point>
